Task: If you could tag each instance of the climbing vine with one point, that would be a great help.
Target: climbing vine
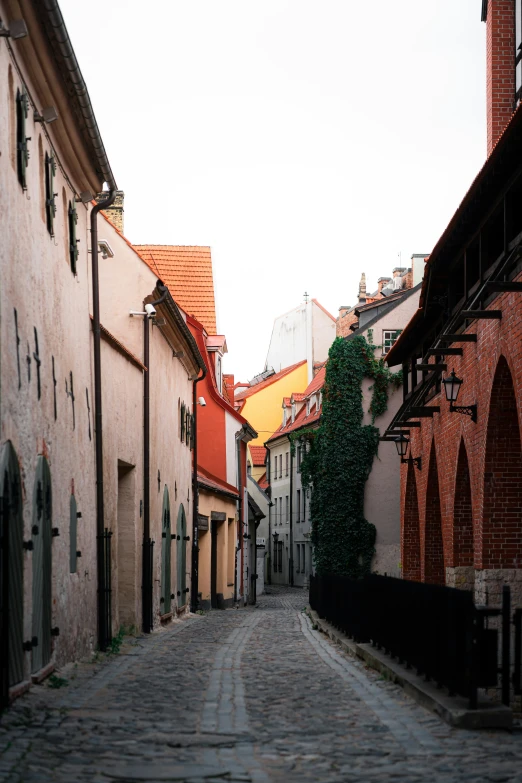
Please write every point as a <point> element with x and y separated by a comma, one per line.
<point>339,456</point>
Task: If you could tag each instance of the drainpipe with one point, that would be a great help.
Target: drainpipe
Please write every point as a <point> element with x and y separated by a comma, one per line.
<point>104,620</point>
<point>291,560</point>
<point>270,504</point>
<point>146,589</point>
<point>195,501</point>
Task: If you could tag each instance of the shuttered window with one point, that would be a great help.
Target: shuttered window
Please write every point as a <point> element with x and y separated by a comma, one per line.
<point>50,195</point>
<point>73,242</point>
<point>73,535</point>
<point>22,150</point>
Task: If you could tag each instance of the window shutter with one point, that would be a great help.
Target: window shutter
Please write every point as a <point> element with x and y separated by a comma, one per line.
<point>22,150</point>
<point>192,431</point>
<point>50,203</point>
<point>182,432</point>
<point>73,242</point>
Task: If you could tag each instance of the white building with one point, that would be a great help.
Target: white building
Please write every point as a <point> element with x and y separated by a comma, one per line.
<point>304,333</point>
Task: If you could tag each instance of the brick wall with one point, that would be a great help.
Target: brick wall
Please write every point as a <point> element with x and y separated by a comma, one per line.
<point>491,370</point>
<point>500,67</point>
<point>411,562</point>
<point>433,570</point>
<point>343,323</point>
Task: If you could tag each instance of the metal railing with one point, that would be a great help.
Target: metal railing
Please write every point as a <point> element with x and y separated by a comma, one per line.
<point>434,629</point>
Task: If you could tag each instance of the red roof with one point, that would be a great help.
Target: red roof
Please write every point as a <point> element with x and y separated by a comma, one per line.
<point>268,382</point>
<point>317,383</point>
<point>214,484</point>
<point>187,271</point>
<point>258,454</point>
<point>263,483</point>
<point>297,397</point>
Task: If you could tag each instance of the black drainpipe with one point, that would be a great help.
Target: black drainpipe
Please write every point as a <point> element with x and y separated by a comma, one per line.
<point>148,544</point>
<point>291,560</point>
<point>194,584</point>
<point>103,568</point>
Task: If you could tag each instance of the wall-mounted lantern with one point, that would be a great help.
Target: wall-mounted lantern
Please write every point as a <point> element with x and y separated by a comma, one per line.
<point>402,443</point>
<point>452,385</point>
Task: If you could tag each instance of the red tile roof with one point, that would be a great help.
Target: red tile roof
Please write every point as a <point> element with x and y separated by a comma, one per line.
<point>187,271</point>
<point>216,485</point>
<point>297,397</point>
<point>263,483</point>
<point>317,383</point>
<point>268,382</point>
<point>258,454</point>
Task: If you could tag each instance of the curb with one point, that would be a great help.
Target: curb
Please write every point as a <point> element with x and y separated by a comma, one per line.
<point>452,709</point>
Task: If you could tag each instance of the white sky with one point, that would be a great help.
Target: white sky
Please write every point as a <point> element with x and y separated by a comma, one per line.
<point>305,141</point>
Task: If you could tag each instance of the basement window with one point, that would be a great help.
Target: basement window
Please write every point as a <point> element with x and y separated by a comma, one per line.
<point>50,203</point>
<point>22,151</point>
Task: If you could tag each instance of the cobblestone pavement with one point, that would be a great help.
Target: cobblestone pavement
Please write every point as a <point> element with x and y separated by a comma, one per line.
<point>248,695</point>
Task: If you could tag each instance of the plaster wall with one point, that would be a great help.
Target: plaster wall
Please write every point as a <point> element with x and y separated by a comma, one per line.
<point>323,335</point>
<point>306,332</point>
<point>226,546</point>
<point>232,426</point>
<point>37,282</point>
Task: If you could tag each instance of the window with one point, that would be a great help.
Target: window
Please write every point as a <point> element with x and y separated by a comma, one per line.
<point>298,509</point>
<point>182,422</point>
<point>293,411</point>
<point>275,467</point>
<point>22,150</point>
<point>50,203</point>
<point>73,242</point>
<point>518,49</point>
<point>249,469</point>
<point>389,338</point>
<point>275,511</point>
<point>304,505</point>
<point>287,509</point>
<point>298,458</point>
<point>287,457</point>
<point>280,466</point>
<point>275,557</point>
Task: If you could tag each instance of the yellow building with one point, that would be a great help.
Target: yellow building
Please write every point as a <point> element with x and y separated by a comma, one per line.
<point>261,404</point>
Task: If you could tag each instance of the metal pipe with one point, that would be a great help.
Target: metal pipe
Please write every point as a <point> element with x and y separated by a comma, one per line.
<point>195,500</point>
<point>291,561</point>
<point>146,587</point>
<point>104,630</point>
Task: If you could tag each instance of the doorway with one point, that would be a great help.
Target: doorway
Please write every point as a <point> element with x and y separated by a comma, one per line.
<point>42,566</point>
<point>166,538</point>
<point>182,557</point>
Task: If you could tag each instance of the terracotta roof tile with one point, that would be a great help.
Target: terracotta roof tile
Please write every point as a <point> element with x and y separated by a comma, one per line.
<point>268,382</point>
<point>258,454</point>
<point>187,271</point>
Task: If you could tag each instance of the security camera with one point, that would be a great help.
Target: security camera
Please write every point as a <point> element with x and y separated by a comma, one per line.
<point>201,401</point>
<point>150,310</point>
<point>105,249</point>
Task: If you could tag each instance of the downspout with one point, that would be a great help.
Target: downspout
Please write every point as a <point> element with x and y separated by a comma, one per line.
<point>104,620</point>
<point>146,588</point>
<point>194,585</point>
<point>270,504</point>
<point>291,560</point>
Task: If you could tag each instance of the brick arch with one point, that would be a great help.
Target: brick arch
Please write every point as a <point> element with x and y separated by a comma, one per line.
<point>501,519</point>
<point>411,559</point>
<point>433,546</point>
<point>462,551</point>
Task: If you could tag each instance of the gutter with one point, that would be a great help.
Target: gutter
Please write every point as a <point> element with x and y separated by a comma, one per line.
<point>62,45</point>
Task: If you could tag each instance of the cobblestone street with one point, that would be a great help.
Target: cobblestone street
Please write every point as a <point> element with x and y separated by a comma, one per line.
<point>247,695</point>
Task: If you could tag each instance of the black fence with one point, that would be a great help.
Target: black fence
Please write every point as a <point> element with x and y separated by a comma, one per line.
<point>436,630</point>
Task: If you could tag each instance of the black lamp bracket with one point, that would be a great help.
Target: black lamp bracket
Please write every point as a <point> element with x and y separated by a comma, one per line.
<point>467,410</point>
<point>417,461</point>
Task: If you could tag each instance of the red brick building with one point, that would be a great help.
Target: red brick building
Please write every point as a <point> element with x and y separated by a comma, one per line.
<point>461,512</point>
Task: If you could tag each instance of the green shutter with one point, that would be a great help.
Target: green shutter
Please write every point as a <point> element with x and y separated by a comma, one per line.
<point>11,533</point>
<point>73,535</point>
<point>73,242</point>
<point>22,150</point>
<point>42,564</point>
<point>50,203</point>
<point>165,600</point>
<point>181,556</point>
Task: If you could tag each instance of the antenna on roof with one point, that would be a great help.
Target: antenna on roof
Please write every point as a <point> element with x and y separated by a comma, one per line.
<point>306,297</point>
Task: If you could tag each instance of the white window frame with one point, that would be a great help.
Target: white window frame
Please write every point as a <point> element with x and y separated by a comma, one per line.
<point>390,337</point>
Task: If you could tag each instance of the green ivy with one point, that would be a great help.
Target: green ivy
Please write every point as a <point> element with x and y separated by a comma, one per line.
<point>339,458</point>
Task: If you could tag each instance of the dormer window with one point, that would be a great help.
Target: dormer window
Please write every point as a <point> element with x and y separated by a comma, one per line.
<point>293,411</point>
<point>284,417</point>
<point>319,400</point>
<point>308,407</point>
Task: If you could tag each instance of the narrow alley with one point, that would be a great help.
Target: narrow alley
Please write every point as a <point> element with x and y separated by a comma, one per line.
<point>248,695</point>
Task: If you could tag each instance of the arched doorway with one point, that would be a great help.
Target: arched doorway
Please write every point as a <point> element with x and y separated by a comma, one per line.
<point>433,547</point>
<point>502,477</point>
<point>182,556</point>
<point>462,515</point>
<point>166,538</point>
<point>11,572</point>
<point>42,565</point>
<point>411,559</point>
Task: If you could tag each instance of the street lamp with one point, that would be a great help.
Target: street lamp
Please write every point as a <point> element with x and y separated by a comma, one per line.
<point>452,385</point>
<point>402,443</point>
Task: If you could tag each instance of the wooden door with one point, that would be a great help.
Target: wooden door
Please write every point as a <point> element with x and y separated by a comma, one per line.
<point>42,565</point>
<point>166,547</point>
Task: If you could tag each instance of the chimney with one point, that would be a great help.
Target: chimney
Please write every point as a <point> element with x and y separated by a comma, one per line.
<point>362,289</point>
<point>381,282</point>
<point>499,16</point>
<point>115,211</point>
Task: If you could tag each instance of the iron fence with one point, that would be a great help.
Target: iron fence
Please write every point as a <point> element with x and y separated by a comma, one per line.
<point>434,629</point>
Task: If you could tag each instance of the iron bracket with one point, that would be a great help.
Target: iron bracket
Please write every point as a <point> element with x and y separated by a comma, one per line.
<point>417,461</point>
<point>28,545</point>
<point>467,410</point>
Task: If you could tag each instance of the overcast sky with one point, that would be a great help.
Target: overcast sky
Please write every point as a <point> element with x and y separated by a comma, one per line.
<point>305,141</point>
